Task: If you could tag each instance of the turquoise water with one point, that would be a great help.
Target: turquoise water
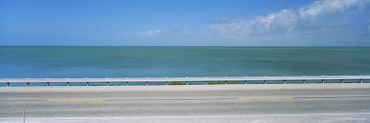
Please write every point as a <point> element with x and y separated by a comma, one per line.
<point>181,61</point>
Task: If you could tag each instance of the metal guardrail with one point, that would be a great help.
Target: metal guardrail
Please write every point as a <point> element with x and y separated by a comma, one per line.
<point>147,80</point>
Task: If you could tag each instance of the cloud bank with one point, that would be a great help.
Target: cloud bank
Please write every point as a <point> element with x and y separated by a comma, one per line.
<point>148,34</point>
<point>323,22</point>
<point>321,19</point>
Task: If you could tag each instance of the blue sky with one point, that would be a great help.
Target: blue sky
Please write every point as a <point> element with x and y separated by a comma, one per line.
<point>185,22</point>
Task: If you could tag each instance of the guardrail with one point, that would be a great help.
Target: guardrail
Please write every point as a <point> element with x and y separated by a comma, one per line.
<point>187,80</point>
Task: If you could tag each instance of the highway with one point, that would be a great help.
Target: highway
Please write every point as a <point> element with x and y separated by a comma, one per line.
<point>191,103</point>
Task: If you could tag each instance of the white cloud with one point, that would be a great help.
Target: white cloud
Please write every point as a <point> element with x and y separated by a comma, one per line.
<point>324,22</point>
<point>147,34</point>
<point>314,19</point>
<point>155,34</point>
<point>327,7</point>
<point>286,19</point>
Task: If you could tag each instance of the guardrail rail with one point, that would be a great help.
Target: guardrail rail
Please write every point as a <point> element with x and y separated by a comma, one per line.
<point>182,80</point>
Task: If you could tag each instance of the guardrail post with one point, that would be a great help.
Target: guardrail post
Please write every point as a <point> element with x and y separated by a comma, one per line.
<point>323,82</point>
<point>284,81</point>
<point>361,81</point>
<point>304,81</point>
<point>24,115</point>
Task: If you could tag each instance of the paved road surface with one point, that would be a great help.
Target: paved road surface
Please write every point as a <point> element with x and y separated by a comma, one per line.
<point>341,103</point>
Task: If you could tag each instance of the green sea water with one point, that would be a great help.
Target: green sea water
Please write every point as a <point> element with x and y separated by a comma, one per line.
<point>92,62</point>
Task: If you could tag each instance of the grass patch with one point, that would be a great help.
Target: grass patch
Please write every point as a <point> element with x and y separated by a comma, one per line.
<point>176,83</point>
<point>223,82</point>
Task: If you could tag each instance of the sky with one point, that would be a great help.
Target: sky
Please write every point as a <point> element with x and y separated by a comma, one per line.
<point>184,22</point>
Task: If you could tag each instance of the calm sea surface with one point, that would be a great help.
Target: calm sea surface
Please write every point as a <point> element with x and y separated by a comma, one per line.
<point>182,61</point>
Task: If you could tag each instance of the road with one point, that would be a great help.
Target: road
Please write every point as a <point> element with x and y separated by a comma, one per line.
<point>226,103</point>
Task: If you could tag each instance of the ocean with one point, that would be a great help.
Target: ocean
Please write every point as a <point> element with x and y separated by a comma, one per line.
<point>191,61</point>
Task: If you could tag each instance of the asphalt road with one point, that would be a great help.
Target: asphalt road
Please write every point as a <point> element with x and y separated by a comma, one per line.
<point>236,105</point>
